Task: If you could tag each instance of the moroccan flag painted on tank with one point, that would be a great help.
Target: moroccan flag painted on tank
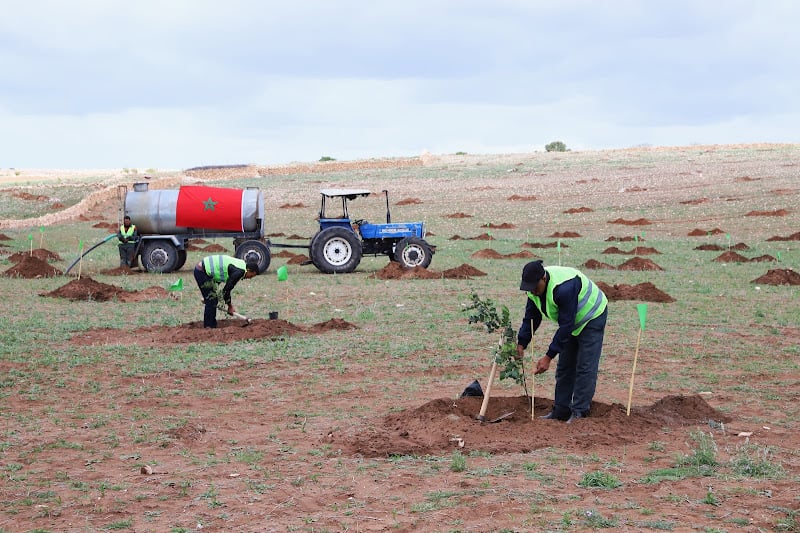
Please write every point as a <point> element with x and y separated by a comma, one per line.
<point>209,208</point>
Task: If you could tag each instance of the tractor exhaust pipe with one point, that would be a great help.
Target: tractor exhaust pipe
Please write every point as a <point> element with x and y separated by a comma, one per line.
<point>388,214</point>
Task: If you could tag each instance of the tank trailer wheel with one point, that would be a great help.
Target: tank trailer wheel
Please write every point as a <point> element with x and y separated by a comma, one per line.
<point>413,252</point>
<point>254,250</point>
<point>159,256</point>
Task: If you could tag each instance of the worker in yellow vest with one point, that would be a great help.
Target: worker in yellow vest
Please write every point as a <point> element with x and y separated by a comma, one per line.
<point>128,237</point>
<point>215,270</point>
<point>567,297</point>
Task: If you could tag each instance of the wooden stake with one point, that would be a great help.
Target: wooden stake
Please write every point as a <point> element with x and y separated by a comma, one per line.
<point>487,392</point>
<point>633,372</point>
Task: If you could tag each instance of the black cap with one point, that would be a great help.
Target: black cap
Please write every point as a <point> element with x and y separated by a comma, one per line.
<point>253,266</point>
<point>531,274</point>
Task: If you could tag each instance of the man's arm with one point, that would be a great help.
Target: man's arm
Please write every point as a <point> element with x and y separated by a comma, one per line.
<point>526,332</point>
<point>234,275</point>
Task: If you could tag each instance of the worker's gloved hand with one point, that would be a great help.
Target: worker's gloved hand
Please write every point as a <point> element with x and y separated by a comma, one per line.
<point>520,352</point>
<point>543,364</point>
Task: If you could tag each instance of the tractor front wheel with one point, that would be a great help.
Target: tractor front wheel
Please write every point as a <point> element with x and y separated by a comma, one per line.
<point>413,252</point>
<point>336,251</point>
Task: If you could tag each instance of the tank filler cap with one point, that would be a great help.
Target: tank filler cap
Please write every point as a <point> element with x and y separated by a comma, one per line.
<point>140,187</point>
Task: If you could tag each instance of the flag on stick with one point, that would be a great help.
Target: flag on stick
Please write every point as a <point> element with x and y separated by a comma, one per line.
<point>642,309</point>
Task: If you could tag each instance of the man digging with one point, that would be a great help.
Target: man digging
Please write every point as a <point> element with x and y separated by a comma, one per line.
<point>566,296</point>
<point>216,269</point>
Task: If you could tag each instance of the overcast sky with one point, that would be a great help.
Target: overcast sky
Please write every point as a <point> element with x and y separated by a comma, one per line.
<point>173,84</point>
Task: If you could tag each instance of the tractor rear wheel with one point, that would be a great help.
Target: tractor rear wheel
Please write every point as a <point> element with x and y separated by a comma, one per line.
<point>413,252</point>
<point>336,251</point>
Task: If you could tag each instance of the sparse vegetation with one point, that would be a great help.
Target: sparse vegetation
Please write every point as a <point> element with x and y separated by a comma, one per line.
<point>555,146</point>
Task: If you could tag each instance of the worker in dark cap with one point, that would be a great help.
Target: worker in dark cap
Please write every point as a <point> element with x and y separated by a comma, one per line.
<point>567,297</point>
<point>212,272</point>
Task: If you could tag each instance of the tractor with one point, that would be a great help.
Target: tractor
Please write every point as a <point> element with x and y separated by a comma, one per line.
<point>341,242</point>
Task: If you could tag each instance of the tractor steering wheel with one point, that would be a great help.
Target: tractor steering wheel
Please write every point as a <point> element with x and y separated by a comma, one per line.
<point>360,221</point>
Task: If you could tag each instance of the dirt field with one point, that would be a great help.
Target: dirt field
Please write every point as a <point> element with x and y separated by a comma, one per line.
<point>120,412</point>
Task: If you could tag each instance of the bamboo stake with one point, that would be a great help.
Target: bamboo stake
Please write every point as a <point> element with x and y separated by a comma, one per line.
<point>633,372</point>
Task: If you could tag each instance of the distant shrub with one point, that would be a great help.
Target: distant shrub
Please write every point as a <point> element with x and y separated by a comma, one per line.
<point>326,158</point>
<point>556,146</point>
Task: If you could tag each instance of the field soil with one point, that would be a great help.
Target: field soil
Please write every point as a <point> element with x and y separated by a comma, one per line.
<point>292,444</point>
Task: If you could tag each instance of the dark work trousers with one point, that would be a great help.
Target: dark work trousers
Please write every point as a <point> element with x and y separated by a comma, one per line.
<point>126,254</point>
<point>206,285</point>
<point>576,373</point>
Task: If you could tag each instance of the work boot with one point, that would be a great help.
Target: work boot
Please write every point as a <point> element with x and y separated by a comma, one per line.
<point>551,416</point>
<point>574,417</point>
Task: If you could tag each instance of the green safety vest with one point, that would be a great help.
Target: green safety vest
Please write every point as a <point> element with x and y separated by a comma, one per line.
<point>591,300</point>
<point>216,266</point>
<point>130,231</point>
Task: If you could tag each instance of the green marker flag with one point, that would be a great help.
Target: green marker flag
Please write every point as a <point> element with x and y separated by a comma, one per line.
<point>642,235</point>
<point>80,244</point>
<point>636,238</point>
<point>558,245</point>
<point>283,273</point>
<point>41,229</point>
<point>779,255</point>
<point>30,236</point>
<point>177,286</point>
<point>642,308</point>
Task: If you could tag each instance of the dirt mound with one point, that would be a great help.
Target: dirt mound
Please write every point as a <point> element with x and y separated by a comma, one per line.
<point>120,271</point>
<point>785,276</point>
<point>597,265</point>
<point>637,222</point>
<point>292,206</point>
<point>214,248</point>
<point>578,210</point>
<point>624,239</point>
<point>638,263</point>
<point>540,245</point>
<point>227,330</point>
<point>105,225</point>
<point>518,198</point>
<point>565,235</point>
<point>731,257</point>
<point>776,213</point>
<point>334,324</point>
<point>646,292</point>
<point>792,237</point>
<point>710,247</point>
<point>488,253</point>
<point>38,253</point>
<point>464,271</point>
<point>697,232</point>
<point>482,237</point>
<point>296,237</point>
<point>456,238</point>
<point>86,288</point>
<point>458,215</point>
<point>639,250</point>
<point>409,201</point>
<point>395,271</point>
<point>284,253</point>
<point>298,259</point>
<point>31,267</point>
<point>696,201</point>
<point>504,225</point>
<point>762,259</point>
<point>443,425</point>
<point>4,237</point>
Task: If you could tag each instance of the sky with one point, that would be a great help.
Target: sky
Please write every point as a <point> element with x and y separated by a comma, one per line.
<point>174,84</point>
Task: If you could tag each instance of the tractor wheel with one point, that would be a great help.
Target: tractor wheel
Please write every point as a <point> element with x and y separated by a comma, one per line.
<point>254,250</point>
<point>159,256</point>
<point>413,252</point>
<point>336,251</point>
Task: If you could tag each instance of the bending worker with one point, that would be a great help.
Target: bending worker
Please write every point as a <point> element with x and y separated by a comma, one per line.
<point>216,269</point>
<point>128,236</point>
<point>566,296</point>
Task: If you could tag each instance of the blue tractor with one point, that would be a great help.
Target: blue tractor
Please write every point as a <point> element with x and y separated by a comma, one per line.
<point>341,242</point>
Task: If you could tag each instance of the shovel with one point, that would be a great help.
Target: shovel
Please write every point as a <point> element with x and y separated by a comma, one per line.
<point>247,321</point>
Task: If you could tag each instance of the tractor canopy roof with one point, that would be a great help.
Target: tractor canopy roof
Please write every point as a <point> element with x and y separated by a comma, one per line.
<point>350,194</point>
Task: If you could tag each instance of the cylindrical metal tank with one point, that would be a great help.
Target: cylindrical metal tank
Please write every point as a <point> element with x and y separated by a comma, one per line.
<point>155,212</point>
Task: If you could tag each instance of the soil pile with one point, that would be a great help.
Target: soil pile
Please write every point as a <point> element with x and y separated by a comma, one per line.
<point>540,245</point>
<point>482,237</point>
<point>214,248</point>
<point>38,253</point>
<point>703,232</point>
<point>488,253</point>
<point>646,292</point>
<point>565,235</point>
<point>86,288</point>
<point>395,271</point>
<point>624,239</point>
<point>776,213</point>
<point>31,267</point>
<point>637,222</point>
<point>638,263</point>
<point>731,257</point>
<point>504,225</point>
<point>518,198</point>
<point>409,201</point>
<point>792,237</point>
<point>298,259</point>
<point>464,271</point>
<point>597,265</point>
<point>458,215</point>
<point>292,206</point>
<point>443,425</point>
<point>578,210</point>
<point>783,276</point>
<point>4,237</point>
<point>120,271</point>
<point>227,330</point>
<point>639,250</point>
